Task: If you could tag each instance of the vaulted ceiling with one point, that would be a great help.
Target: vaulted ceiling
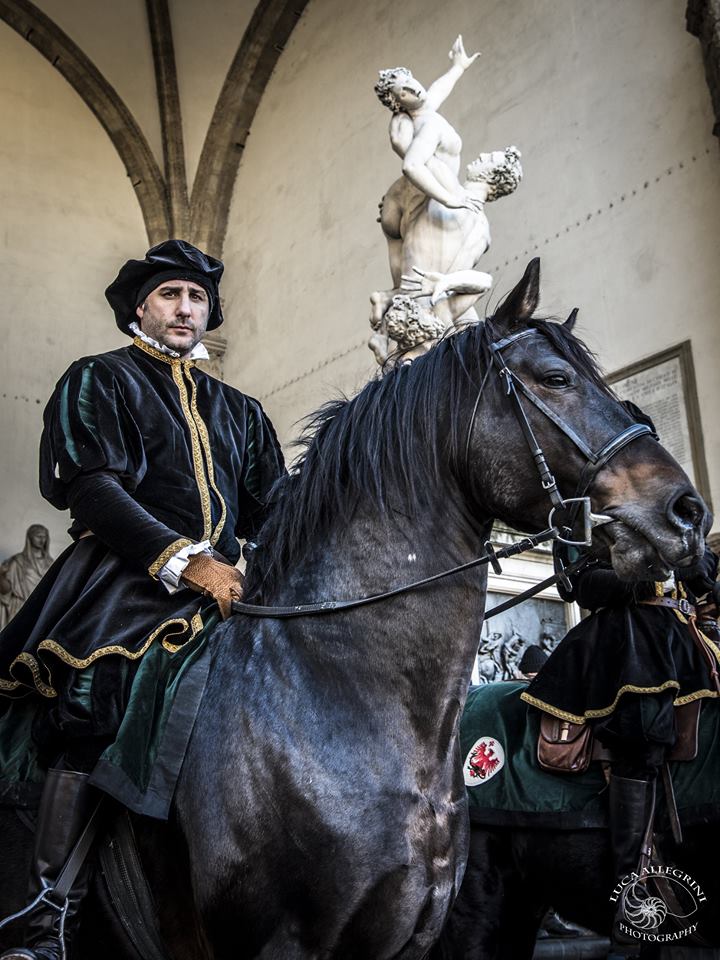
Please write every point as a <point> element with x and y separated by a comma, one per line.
<point>175,84</point>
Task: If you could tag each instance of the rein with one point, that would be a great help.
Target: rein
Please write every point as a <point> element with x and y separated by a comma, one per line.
<point>338,606</point>
<point>557,530</point>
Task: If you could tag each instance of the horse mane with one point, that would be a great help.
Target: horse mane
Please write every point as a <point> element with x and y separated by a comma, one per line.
<point>384,446</point>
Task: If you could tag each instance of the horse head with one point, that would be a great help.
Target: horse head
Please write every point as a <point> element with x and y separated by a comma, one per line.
<point>658,519</point>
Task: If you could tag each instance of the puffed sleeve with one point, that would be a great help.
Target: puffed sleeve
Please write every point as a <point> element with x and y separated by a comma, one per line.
<point>92,458</point>
<point>87,427</point>
<point>263,465</point>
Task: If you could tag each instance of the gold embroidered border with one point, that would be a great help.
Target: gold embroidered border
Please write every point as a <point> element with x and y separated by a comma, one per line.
<point>167,553</point>
<point>549,708</point>
<point>196,624</point>
<point>710,644</point>
<point>697,695</point>
<point>62,654</point>
<point>205,440</point>
<point>196,451</point>
<point>605,711</point>
<point>33,666</point>
<point>158,354</point>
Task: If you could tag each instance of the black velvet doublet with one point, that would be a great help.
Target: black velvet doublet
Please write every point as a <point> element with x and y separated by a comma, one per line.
<point>150,454</point>
<point>625,666</point>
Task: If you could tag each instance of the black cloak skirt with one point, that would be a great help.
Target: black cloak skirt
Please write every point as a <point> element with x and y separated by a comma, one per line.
<point>630,659</point>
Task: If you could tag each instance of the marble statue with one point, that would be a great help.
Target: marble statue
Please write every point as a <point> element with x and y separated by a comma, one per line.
<point>435,226</point>
<point>21,573</point>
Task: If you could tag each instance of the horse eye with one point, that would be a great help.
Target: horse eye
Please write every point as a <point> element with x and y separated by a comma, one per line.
<point>556,380</point>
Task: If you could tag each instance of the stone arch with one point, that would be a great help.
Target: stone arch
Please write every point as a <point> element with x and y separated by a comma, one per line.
<point>264,40</point>
<point>120,125</point>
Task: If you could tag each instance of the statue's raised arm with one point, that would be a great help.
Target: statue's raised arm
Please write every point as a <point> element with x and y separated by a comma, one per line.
<point>439,91</point>
<point>429,145</point>
<point>434,222</point>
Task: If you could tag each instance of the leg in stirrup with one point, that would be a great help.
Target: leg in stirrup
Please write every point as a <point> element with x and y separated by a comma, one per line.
<point>65,808</point>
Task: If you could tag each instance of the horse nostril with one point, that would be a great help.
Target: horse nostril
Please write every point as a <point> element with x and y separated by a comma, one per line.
<point>687,510</point>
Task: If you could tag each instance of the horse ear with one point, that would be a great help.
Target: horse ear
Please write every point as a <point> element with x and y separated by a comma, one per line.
<point>570,322</point>
<point>521,303</point>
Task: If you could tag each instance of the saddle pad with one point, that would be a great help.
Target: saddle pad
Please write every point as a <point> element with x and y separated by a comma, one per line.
<point>506,786</point>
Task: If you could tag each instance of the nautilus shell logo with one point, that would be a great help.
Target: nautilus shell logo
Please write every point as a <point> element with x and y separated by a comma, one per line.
<point>659,904</point>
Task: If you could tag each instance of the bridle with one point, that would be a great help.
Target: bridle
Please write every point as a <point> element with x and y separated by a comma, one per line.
<point>596,459</point>
<point>559,528</point>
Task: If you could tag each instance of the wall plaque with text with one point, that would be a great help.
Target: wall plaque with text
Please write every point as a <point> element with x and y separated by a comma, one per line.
<point>663,386</point>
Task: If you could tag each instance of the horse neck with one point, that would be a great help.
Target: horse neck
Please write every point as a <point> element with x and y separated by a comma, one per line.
<point>424,641</point>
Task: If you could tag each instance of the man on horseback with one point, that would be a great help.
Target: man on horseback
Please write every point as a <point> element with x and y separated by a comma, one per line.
<point>163,468</point>
<point>625,669</point>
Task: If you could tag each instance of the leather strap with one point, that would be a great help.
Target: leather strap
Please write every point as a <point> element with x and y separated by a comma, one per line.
<point>338,606</point>
<point>671,804</point>
<point>129,891</point>
<point>683,605</point>
<point>63,885</point>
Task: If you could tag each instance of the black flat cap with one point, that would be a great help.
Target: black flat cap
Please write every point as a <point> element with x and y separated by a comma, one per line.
<point>169,260</point>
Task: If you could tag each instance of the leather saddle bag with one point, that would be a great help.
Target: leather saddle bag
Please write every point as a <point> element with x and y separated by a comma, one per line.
<point>564,746</point>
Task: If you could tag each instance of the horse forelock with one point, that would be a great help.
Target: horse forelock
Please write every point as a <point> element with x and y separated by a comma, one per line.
<point>387,446</point>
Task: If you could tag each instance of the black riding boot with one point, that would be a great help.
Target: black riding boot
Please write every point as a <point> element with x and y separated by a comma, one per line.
<point>631,807</point>
<point>65,808</point>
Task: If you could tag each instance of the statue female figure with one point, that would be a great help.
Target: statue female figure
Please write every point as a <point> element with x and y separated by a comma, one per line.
<point>22,572</point>
<point>428,216</point>
<point>428,145</point>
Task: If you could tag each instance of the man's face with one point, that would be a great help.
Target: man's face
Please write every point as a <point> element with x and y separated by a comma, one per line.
<point>175,314</point>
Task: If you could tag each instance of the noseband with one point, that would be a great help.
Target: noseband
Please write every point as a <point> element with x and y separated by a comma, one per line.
<point>596,459</point>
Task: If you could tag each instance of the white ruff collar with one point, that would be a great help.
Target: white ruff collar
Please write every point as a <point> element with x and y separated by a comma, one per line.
<point>198,352</point>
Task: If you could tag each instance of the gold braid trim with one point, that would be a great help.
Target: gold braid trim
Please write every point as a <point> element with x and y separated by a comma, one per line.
<point>157,564</point>
<point>158,354</point>
<point>62,654</point>
<point>549,708</point>
<point>196,451</point>
<point>697,695</point>
<point>33,666</point>
<point>709,644</point>
<point>196,624</point>
<point>605,711</point>
<point>205,440</point>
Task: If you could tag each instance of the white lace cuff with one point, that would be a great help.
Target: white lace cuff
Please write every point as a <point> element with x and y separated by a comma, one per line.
<point>170,573</point>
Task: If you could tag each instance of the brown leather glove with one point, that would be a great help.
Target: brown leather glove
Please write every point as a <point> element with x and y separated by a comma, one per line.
<point>221,581</point>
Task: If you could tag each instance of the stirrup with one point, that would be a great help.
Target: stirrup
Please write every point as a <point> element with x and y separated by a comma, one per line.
<point>44,898</point>
<point>41,898</point>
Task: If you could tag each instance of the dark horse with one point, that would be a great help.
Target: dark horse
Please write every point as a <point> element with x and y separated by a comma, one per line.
<point>321,809</point>
<point>514,875</point>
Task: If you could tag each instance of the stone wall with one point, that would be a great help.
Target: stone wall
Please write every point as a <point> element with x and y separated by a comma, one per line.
<point>621,196</point>
<point>69,218</point>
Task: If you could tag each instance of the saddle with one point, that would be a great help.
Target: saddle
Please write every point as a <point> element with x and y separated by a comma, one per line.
<point>567,747</point>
